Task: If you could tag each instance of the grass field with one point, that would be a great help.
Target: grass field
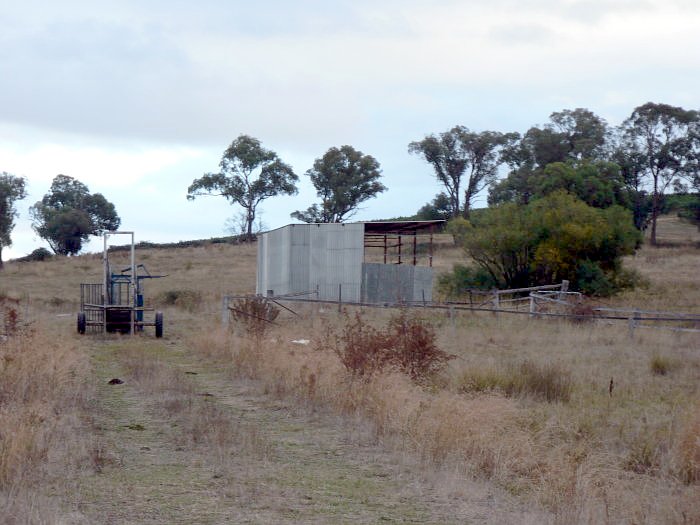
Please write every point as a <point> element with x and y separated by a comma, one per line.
<point>532,421</point>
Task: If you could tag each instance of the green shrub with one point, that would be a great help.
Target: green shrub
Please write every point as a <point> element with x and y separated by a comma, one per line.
<point>592,280</point>
<point>554,238</point>
<point>40,254</point>
<point>464,278</point>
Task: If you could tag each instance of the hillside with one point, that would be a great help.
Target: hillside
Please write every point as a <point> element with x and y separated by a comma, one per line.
<point>531,421</point>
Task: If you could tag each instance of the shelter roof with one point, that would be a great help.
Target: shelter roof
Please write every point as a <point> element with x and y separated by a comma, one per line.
<point>402,227</point>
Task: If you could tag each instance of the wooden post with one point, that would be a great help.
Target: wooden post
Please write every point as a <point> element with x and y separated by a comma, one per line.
<point>632,322</point>
<point>225,311</point>
<point>340,297</point>
<point>564,289</point>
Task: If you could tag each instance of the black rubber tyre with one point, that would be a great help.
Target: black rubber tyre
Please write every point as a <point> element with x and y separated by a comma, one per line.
<point>159,324</point>
<point>82,322</point>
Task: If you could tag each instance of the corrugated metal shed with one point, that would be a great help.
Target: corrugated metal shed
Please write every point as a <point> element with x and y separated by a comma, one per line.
<point>327,261</point>
<point>312,258</point>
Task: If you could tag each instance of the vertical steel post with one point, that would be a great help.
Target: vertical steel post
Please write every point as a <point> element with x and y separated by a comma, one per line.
<point>105,282</point>
<point>133,286</point>
<point>430,250</point>
<point>415,246</point>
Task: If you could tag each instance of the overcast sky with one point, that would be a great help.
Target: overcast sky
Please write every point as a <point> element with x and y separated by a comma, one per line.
<point>136,99</point>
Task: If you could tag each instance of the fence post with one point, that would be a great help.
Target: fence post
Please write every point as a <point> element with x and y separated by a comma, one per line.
<point>632,322</point>
<point>224,311</point>
<point>340,297</point>
<point>533,306</point>
<point>563,290</point>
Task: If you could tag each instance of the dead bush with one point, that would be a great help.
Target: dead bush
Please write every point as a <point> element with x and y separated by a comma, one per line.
<point>406,343</point>
<point>255,313</point>
<point>9,311</point>
<point>584,311</point>
<point>413,345</point>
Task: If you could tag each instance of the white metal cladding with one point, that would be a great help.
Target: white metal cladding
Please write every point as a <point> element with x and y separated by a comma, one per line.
<point>261,273</point>
<point>312,257</point>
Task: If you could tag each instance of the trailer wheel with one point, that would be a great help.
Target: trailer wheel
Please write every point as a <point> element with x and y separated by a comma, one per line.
<point>159,324</point>
<point>82,322</point>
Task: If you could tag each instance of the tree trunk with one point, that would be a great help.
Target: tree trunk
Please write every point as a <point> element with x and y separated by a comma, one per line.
<point>250,218</point>
<point>0,257</point>
<point>654,210</point>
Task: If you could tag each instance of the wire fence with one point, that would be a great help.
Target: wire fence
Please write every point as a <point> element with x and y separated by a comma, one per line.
<point>540,302</point>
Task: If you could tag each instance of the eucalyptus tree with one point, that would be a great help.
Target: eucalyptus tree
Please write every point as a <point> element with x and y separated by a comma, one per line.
<point>459,152</point>
<point>69,214</point>
<point>663,141</point>
<point>248,174</point>
<point>344,178</point>
<point>12,189</point>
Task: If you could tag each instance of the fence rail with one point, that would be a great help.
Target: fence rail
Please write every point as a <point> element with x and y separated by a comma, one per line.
<point>549,301</point>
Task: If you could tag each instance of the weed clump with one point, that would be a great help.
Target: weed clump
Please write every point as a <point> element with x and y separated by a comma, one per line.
<point>406,343</point>
<point>189,300</point>
<point>255,313</point>
<point>549,382</point>
<point>660,365</point>
<point>687,450</point>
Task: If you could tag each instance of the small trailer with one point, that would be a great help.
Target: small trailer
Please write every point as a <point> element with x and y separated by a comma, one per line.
<point>116,304</point>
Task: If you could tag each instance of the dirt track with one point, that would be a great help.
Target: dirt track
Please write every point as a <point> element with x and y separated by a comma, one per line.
<point>277,463</point>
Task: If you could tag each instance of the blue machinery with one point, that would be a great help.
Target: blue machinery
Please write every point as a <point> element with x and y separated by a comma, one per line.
<point>116,304</point>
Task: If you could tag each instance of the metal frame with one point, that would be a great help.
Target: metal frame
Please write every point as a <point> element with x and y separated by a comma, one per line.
<point>104,307</point>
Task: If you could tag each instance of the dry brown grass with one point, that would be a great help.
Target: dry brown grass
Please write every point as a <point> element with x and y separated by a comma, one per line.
<point>44,428</point>
<point>551,432</point>
<point>593,454</point>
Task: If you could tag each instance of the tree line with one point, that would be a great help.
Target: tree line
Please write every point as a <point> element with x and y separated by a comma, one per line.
<point>576,152</point>
<point>657,148</point>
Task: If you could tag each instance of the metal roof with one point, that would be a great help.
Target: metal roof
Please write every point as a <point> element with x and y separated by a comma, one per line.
<point>402,227</point>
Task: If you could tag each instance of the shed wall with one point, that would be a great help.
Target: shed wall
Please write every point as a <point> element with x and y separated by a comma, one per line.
<point>396,283</point>
<point>328,259</point>
<point>308,257</point>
